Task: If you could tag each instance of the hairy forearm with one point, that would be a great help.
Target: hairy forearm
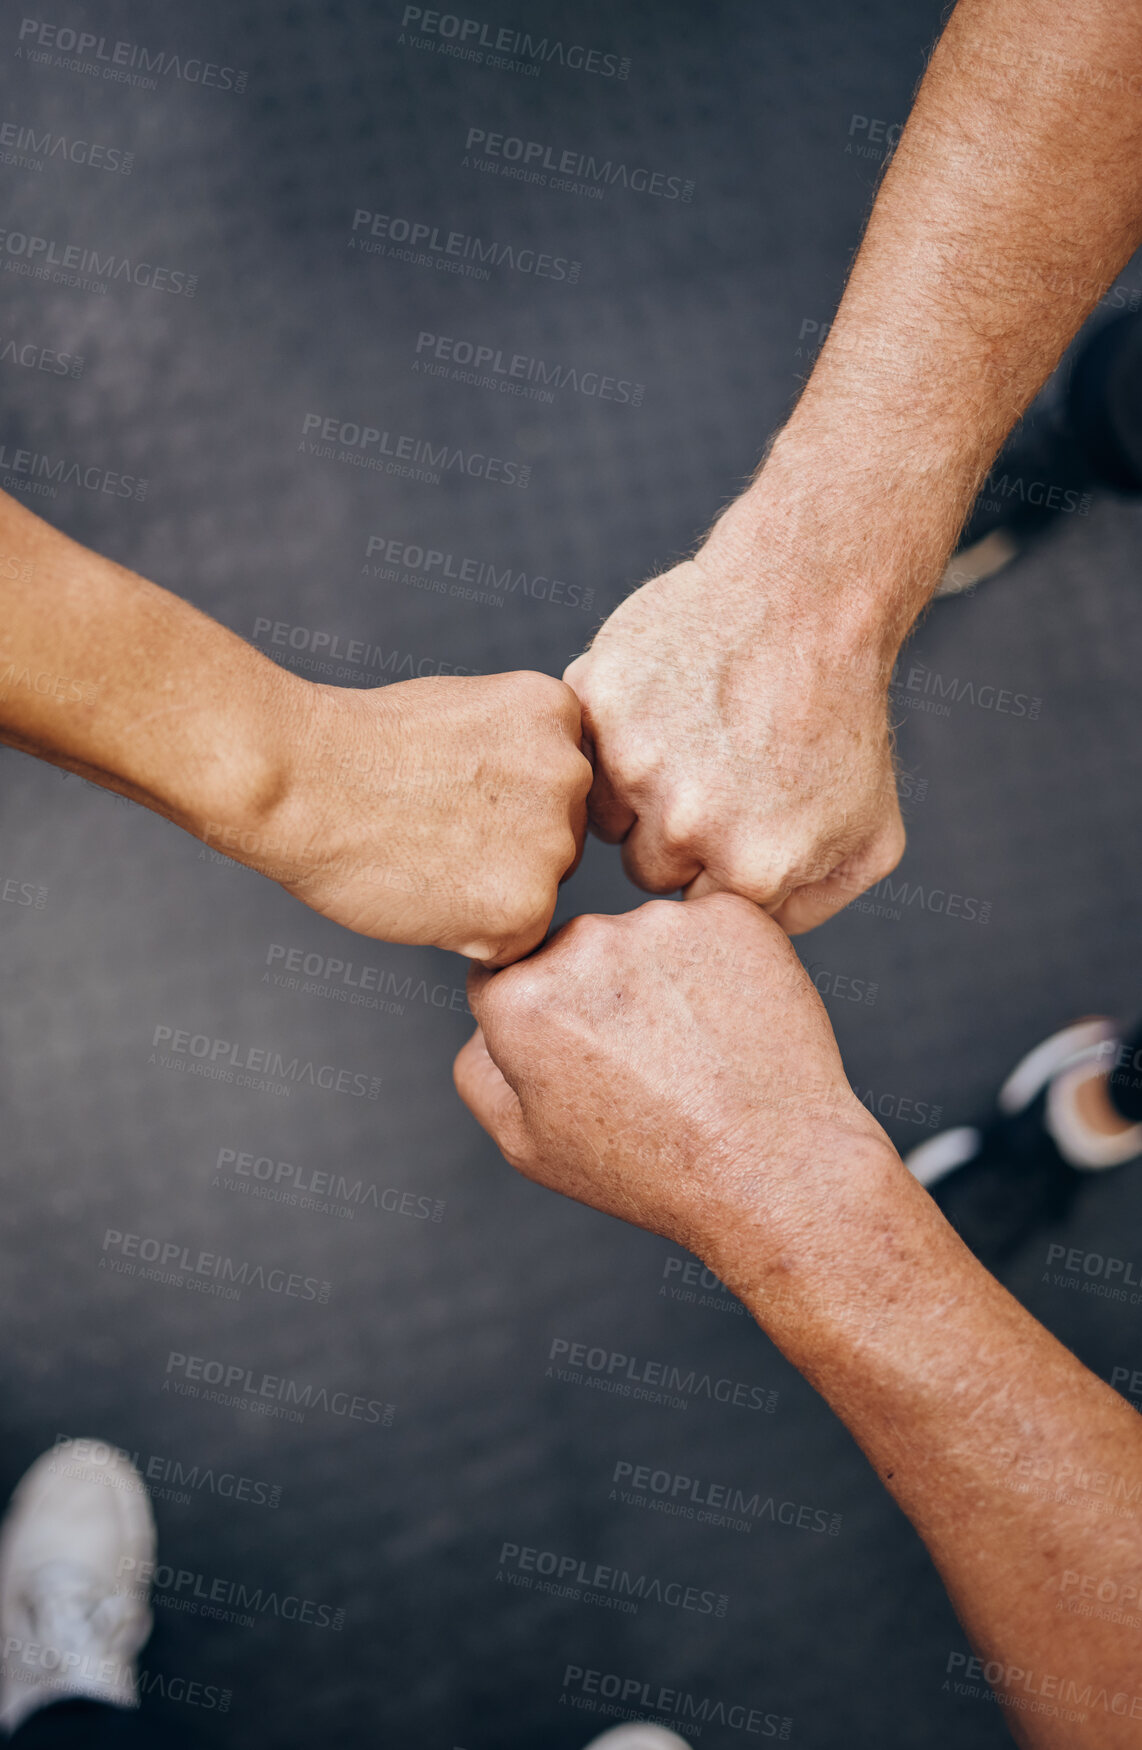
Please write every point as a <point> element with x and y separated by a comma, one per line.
<point>112,677</point>
<point>957,1396</point>
<point>1013,200</point>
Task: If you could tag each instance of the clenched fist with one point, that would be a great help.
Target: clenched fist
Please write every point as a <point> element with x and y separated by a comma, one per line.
<point>673,1066</point>
<point>737,711</point>
<point>442,811</point>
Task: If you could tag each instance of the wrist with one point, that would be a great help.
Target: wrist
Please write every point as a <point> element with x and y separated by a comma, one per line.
<point>250,790</point>
<point>844,537</point>
<point>793,1232</point>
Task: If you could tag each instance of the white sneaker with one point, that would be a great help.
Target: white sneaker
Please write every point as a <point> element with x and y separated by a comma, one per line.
<point>642,1735</point>
<point>65,1627</point>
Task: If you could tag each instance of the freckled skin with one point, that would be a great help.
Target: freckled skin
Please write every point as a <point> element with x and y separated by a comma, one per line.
<point>620,1066</point>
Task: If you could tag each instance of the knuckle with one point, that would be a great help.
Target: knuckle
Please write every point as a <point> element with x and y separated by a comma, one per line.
<point>724,904</point>
<point>588,937</point>
<point>541,692</point>
<point>511,926</point>
<point>895,844</point>
<point>662,914</point>
<point>753,875</point>
<point>519,995</point>
<point>529,909</point>
<point>568,850</point>
<point>682,820</point>
<point>576,773</point>
<point>590,928</point>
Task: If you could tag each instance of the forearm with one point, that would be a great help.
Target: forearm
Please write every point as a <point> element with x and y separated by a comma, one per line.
<point>957,1396</point>
<point>110,676</point>
<point>443,810</point>
<point>1011,204</point>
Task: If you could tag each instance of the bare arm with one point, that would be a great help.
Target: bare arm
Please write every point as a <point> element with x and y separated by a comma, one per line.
<point>963,1404</point>
<point>1012,201</point>
<point>675,1067</point>
<point>441,810</point>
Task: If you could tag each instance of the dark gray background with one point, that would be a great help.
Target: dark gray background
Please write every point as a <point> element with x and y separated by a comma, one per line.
<point>452,1321</point>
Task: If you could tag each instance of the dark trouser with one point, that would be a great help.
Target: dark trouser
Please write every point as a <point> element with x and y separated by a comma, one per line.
<point>76,1724</point>
<point>1104,404</point>
<point>1125,1084</point>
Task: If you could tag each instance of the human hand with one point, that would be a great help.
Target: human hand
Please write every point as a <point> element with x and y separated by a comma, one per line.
<point>737,711</point>
<point>673,1066</point>
<point>442,811</point>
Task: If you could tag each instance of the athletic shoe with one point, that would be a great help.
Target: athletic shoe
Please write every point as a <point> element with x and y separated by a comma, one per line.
<point>999,1182</point>
<point>642,1735</point>
<point>79,1520</point>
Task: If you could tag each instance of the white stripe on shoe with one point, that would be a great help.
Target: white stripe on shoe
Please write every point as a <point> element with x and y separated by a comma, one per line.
<point>1032,1073</point>
<point>985,558</point>
<point>942,1154</point>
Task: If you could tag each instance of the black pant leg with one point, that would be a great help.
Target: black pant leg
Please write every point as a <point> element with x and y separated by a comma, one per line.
<point>1125,1083</point>
<point>78,1724</point>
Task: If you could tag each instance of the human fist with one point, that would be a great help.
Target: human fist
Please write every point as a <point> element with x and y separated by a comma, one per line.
<point>739,730</point>
<point>673,1066</point>
<point>442,811</point>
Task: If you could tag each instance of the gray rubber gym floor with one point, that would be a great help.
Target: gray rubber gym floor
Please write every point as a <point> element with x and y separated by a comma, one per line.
<point>344,1572</point>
